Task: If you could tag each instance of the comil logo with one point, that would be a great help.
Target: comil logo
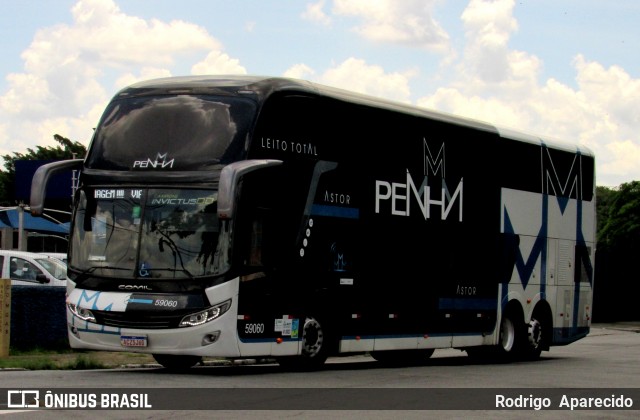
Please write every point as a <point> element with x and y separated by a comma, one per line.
<point>161,162</point>
<point>399,198</point>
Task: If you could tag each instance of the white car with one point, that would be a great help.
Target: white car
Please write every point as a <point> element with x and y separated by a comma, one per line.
<point>29,268</point>
<point>59,255</point>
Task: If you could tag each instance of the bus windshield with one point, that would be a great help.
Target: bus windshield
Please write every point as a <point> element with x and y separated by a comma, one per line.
<point>148,233</point>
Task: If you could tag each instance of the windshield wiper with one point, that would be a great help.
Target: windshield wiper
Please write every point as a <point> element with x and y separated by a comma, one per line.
<point>183,270</point>
<point>85,273</point>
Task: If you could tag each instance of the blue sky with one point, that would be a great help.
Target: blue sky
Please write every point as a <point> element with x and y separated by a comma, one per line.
<point>566,69</point>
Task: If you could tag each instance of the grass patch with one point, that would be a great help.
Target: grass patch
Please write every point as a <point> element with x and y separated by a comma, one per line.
<point>83,362</point>
<point>42,359</point>
<point>47,360</point>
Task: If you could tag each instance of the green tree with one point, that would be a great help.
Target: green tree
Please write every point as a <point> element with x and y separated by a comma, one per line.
<point>620,227</point>
<point>604,196</point>
<point>66,150</point>
<point>618,247</point>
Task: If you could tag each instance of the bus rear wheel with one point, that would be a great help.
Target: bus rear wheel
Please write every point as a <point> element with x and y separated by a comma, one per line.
<point>177,362</point>
<point>508,336</point>
<point>512,338</point>
<point>539,334</point>
<point>534,344</point>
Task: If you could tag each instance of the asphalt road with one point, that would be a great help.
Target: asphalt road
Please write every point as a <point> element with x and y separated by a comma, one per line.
<point>603,365</point>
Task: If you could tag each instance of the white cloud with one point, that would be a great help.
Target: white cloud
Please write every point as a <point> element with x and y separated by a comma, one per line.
<point>299,71</point>
<point>112,37</point>
<point>315,13</point>
<point>217,62</point>
<point>28,92</point>
<point>72,70</point>
<point>356,75</point>
<point>145,73</point>
<point>488,63</point>
<point>407,22</point>
<point>67,66</point>
<point>494,83</point>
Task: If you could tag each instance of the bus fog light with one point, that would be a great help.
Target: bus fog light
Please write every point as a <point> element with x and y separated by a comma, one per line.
<point>210,338</point>
<point>205,316</point>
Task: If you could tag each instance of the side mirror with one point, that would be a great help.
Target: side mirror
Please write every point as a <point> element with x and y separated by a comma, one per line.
<point>41,278</point>
<point>41,178</point>
<point>229,178</point>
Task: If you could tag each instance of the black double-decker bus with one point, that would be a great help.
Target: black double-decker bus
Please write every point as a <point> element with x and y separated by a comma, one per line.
<point>248,216</point>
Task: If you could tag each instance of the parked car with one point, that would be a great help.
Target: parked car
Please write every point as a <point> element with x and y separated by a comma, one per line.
<point>59,255</point>
<point>29,268</point>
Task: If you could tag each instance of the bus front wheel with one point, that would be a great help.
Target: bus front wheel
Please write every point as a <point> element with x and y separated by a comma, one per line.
<point>315,347</point>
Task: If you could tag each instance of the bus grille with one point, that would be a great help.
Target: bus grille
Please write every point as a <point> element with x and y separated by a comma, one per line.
<point>137,320</point>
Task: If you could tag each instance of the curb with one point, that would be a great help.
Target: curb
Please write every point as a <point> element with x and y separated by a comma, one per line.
<point>619,326</point>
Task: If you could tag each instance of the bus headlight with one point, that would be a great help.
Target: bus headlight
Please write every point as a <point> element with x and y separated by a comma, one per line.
<point>82,313</point>
<point>205,316</point>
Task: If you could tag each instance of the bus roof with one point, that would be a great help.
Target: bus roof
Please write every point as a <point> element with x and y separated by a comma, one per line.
<point>261,87</point>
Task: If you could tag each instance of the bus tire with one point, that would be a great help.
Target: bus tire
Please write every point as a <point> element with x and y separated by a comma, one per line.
<point>512,340</point>
<point>177,362</point>
<point>516,341</point>
<point>539,333</point>
<point>507,340</point>
<point>402,357</point>
<point>533,348</point>
<point>315,347</point>
<point>507,348</point>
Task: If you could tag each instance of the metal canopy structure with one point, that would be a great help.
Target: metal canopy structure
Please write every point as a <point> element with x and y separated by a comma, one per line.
<point>11,218</point>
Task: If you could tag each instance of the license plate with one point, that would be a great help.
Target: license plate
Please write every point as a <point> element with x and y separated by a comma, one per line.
<point>133,340</point>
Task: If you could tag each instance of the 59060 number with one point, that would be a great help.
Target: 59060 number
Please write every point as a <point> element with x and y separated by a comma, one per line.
<point>254,328</point>
<point>166,303</point>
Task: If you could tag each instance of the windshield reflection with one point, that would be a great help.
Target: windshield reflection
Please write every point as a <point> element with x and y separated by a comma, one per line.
<point>154,233</point>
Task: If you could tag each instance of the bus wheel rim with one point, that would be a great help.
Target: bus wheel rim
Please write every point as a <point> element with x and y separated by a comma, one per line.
<point>534,333</point>
<point>312,337</point>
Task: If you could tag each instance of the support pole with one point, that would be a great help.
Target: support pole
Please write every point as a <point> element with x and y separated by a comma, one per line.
<point>21,227</point>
